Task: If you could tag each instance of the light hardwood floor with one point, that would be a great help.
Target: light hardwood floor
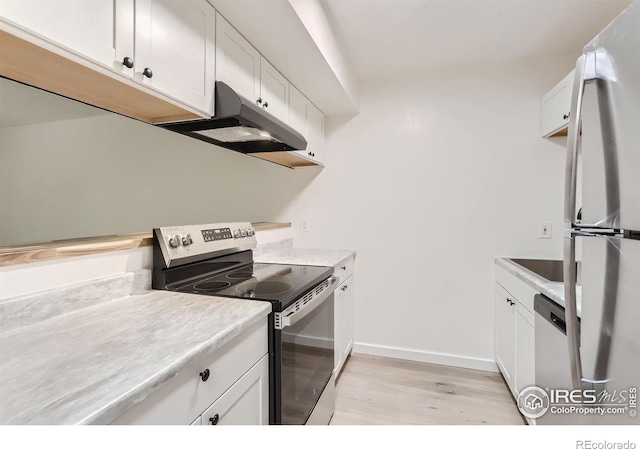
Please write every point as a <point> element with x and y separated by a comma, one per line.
<point>379,390</point>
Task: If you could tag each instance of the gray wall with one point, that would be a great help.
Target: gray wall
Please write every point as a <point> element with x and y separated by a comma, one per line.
<point>109,174</point>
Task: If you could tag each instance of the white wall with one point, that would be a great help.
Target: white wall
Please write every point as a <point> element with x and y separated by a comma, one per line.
<point>435,177</point>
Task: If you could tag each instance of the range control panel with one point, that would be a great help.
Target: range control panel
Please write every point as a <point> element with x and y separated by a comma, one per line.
<point>197,242</point>
<point>212,235</point>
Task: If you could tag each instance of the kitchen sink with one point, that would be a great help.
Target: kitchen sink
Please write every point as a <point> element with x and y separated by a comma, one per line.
<point>550,270</point>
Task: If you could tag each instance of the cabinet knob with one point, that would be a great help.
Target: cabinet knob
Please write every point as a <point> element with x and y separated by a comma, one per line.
<point>566,116</point>
<point>309,153</point>
<point>265,105</point>
<point>344,267</point>
<point>147,72</point>
<point>259,100</point>
<point>214,419</point>
<point>205,375</point>
<point>127,62</point>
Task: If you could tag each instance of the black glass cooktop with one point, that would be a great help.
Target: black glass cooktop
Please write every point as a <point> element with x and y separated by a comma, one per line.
<point>279,284</point>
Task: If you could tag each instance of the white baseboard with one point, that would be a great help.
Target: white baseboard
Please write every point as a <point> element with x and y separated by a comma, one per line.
<point>427,357</point>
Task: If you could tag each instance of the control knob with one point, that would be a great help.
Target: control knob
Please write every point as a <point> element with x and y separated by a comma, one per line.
<point>236,234</point>
<point>174,241</point>
<point>250,232</point>
<point>243,232</point>
<point>187,240</point>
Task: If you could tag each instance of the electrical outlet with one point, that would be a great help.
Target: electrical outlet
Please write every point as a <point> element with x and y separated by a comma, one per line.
<point>304,225</point>
<point>544,230</point>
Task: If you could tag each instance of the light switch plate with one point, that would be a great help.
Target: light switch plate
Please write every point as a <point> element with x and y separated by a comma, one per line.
<point>544,230</point>
<point>304,225</point>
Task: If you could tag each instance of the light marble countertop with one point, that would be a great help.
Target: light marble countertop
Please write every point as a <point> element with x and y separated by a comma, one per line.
<point>302,256</point>
<point>552,290</point>
<point>90,365</point>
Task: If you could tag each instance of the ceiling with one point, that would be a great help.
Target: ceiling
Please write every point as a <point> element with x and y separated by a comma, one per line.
<point>25,105</point>
<point>382,38</point>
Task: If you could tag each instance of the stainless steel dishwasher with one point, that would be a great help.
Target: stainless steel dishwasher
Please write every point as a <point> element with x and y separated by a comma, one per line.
<point>552,354</point>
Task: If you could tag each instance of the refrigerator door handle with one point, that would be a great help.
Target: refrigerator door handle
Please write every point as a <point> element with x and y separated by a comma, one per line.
<point>570,266</point>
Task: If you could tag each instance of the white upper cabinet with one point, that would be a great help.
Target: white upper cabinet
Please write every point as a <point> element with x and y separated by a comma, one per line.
<point>308,120</point>
<point>315,139</point>
<point>241,66</point>
<point>555,108</point>
<point>175,49</point>
<point>168,45</point>
<point>274,90</point>
<point>237,62</point>
<point>298,111</point>
<point>101,30</point>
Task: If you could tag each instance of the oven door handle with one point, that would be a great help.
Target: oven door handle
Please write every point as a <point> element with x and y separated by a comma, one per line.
<point>292,314</point>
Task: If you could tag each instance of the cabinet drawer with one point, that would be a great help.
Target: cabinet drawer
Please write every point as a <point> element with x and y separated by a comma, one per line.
<point>182,399</point>
<point>516,288</point>
<point>344,269</point>
<point>246,402</point>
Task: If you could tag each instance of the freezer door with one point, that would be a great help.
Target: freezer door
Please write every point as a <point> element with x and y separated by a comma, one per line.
<point>610,131</point>
<point>610,320</point>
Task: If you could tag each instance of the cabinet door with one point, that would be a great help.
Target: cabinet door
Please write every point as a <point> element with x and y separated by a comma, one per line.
<point>525,348</point>
<point>315,139</point>
<point>101,30</point>
<point>347,319</point>
<point>298,115</point>
<point>237,62</point>
<point>505,336</point>
<point>338,297</point>
<point>175,40</point>
<point>274,90</point>
<point>555,107</point>
<point>246,402</point>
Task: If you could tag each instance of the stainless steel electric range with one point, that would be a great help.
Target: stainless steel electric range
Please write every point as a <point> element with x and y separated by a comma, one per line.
<point>217,260</point>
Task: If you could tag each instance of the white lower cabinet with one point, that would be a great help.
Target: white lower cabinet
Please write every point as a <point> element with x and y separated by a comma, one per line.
<point>246,402</point>
<point>233,383</point>
<point>515,331</point>
<point>344,313</point>
<point>505,336</point>
<point>525,348</point>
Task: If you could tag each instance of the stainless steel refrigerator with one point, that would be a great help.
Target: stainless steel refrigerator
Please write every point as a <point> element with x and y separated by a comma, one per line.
<point>604,133</point>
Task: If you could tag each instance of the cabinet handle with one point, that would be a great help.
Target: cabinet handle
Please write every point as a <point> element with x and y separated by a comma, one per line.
<point>214,419</point>
<point>205,375</point>
<point>147,72</point>
<point>566,116</point>
<point>127,62</point>
<point>265,105</point>
<point>259,100</point>
<point>344,267</point>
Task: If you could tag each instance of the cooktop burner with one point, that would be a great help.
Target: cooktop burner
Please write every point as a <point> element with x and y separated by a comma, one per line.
<point>264,288</point>
<point>279,284</point>
<point>211,285</point>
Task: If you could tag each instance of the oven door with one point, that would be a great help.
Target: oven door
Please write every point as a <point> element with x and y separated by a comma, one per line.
<point>306,358</point>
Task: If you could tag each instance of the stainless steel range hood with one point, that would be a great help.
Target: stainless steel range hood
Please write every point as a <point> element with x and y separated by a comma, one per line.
<point>241,125</point>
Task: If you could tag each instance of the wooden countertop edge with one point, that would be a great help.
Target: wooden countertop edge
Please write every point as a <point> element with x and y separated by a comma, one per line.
<point>61,249</point>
